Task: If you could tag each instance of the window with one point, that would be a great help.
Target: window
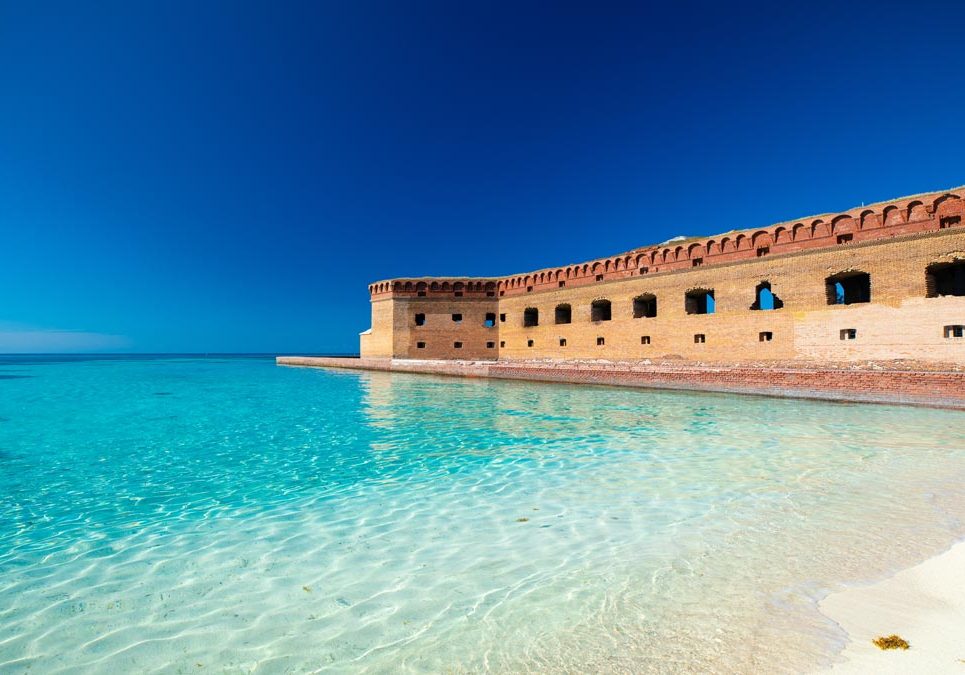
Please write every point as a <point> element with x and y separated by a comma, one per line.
<point>564,314</point>
<point>457,318</point>
<point>954,331</point>
<point>562,284</point>
<point>490,345</point>
<point>763,251</point>
<point>845,238</point>
<point>502,318</point>
<point>849,333</point>
<point>700,301</point>
<point>700,339</point>
<point>458,294</point>
<point>764,298</point>
<point>562,342</point>
<point>529,289</point>
<point>457,345</point>
<point>644,270</point>
<point>848,288</point>
<point>644,339</point>
<point>420,319</point>
<point>645,306</point>
<point>490,321</point>
<point>420,345</point>
<point>600,342</point>
<point>765,336</point>
<point>502,293</point>
<point>697,262</point>
<point>600,310</point>
<point>530,317</point>
<point>945,279</point>
<point>599,277</point>
<point>949,221</point>
<point>529,343</point>
<point>490,294</point>
<point>502,343</point>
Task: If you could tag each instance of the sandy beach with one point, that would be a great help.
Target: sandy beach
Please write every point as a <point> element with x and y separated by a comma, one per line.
<point>924,604</point>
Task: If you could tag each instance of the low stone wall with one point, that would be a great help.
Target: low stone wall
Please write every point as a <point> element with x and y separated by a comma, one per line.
<point>944,389</point>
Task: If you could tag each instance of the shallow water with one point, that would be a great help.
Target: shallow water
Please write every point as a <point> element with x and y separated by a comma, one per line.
<point>229,515</point>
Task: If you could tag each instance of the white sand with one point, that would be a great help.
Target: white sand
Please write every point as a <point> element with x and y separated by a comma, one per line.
<point>924,604</point>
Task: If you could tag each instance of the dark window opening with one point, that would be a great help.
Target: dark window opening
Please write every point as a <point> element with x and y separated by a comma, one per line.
<point>599,277</point>
<point>945,279</point>
<point>645,306</point>
<point>644,270</point>
<point>644,339</point>
<point>564,314</point>
<point>562,284</point>
<point>600,342</point>
<point>954,331</point>
<point>949,221</point>
<point>763,251</point>
<point>849,333</point>
<point>420,345</point>
<point>700,339</point>
<point>529,343</point>
<point>529,289</point>
<point>502,318</point>
<point>502,293</point>
<point>600,310</point>
<point>764,298</point>
<point>765,336</point>
<point>420,319</point>
<point>457,318</point>
<point>421,294</point>
<point>457,345</point>
<point>845,238</point>
<point>530,317</point>
<point>502,343</point>
<point>697,262</point>
<point>490,345</point>
<point>458,294</point>
<point>700,301</point>
<point>562,342</point>
<point>490,320</point>
<point>848,288</point>
<point>490,294</point>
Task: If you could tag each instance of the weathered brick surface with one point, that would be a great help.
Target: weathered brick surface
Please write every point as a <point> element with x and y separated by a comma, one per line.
<point>893,242</point>
<point>932,388</point>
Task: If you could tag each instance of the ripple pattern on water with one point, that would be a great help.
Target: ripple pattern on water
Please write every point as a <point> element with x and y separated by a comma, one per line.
<point>264,519</point>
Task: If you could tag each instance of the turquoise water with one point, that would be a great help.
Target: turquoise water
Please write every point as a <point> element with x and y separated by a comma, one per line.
<point>232,516</point>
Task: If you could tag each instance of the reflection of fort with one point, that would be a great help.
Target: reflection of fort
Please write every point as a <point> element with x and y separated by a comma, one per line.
<point>879,282</point>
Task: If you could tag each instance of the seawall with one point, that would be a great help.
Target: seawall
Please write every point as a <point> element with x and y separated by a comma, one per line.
<point>934,388</point>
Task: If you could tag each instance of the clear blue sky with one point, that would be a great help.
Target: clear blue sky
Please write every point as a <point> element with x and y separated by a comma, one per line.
<point>196,176</point>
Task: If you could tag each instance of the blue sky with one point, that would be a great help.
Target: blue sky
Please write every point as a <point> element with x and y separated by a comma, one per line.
<point>229,177</point>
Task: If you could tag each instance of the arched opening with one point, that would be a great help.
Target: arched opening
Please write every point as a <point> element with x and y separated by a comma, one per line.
<point>848,288</point>
<point>945,279</point>
<point>700,301</point>
<point>564,314</point>
<point>600,310</point>
<point>530,317</point>
<point>645,306</point>
<point>764,298</point>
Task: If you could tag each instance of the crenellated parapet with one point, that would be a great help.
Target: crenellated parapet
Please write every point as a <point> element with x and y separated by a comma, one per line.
<point>908,215</point>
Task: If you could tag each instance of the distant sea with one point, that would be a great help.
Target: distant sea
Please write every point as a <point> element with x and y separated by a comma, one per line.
<point>185,513</point>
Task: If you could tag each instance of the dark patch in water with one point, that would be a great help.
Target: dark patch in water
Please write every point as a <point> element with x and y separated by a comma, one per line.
<point>162,393</point>
<point>4,419</point>
<point>15,377</point>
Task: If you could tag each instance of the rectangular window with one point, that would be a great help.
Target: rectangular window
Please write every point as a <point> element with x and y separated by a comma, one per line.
<point>763,251</point>
<point>697,262</point>
<point>644,339</point>
<point>845,238</point>
<point>949,221</point>
<point>644,270</point>
<point>700,339</point>
<point>562,284</point>
<point>529,343</point>
<point>420,319</point>
<point>490,320</point>
<point>600,342</point>
<point>502,318</point>
<point>502,293</point>
<point>457,318</point>
<point>457,345</point>
<point>599,277</point>
<point>420,345</point>
<point>490,345</point>
<point>562,342</point>
<point>765,336</point>
<point>849,333</point>
<point>954,331</point>
<point>502,343</point>
<point>529,289</point>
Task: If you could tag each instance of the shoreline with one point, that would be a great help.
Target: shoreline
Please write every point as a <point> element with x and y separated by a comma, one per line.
<point>924,604</point>
<point>858,384</point>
